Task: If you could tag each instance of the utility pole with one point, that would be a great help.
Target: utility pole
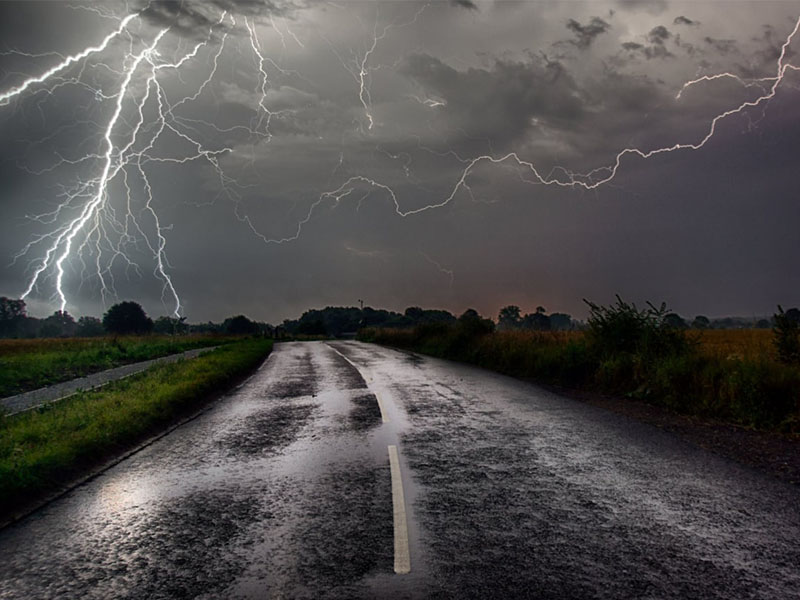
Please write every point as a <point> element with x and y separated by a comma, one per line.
<point>361,302</point>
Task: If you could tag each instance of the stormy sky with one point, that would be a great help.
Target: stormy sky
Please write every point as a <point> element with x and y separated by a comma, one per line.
<point>266,156</point>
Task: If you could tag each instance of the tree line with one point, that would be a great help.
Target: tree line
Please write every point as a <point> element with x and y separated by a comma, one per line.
<point>123,318</point>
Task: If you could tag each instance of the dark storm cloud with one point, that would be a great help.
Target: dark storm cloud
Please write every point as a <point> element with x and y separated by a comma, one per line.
<point>190,16</point>
<point>468,4</point>
<point>500,102</point>
<point>586,34</point>
<point>681,20</point>
<point>693,228</point>
<point>659,35</point>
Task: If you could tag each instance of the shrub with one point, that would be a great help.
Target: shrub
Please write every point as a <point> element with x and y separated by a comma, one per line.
<point>787,337</point>
<point>624,329</point>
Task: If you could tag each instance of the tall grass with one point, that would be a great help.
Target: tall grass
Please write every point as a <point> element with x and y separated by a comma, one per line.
<point>30,364</point>
<point>42,449</point>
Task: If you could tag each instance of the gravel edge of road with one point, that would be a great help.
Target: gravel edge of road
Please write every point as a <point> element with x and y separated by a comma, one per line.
<point>773,453</point>
<point>206,402</point>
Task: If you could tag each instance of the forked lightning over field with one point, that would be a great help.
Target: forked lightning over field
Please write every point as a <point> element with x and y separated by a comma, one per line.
<point>143,139</point>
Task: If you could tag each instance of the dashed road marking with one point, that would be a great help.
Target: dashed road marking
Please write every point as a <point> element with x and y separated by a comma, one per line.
<point>381,406</point>
<point>402,557</point>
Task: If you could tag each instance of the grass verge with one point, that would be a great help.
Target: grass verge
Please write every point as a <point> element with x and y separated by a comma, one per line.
<point>30,364</point>
<point>44,449</point>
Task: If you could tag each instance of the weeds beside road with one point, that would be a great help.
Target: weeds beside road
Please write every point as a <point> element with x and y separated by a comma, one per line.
<point>42,449</point>
<point>30,364</point>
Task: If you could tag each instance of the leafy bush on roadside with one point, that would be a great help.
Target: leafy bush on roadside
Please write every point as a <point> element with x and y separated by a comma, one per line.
<point>622,328</point>
<point>787,337</point>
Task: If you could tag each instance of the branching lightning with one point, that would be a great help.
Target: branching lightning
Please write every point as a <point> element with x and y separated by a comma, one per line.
<point>99,218</point>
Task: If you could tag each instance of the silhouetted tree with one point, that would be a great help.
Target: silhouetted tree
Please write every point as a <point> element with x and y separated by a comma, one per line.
<point>560,322</point>
<point>170,325</point>
<point>59,324</point>
<point>240,325</point>
<point>90,327</point>
<point>701,322</point>
<point>471,323</point>
<point>509,317</point>
<point>12,316</point>
<point>675,320</point>
<point>537,321</point>
<point>126,318</point>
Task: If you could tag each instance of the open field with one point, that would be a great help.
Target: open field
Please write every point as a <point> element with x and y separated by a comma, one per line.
<point>30,364</point>
<point>41,449</point>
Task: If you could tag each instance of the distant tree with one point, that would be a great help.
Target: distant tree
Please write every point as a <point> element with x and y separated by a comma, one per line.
<point>537,321</point>
<point>471,323</point>
<point>312,327</point>
<point>509,318</point>
<point>170,325</point>
<point>12,316</point>
<point>240,325</point>
<point>560,322</point>
<point>90,327</point>
<point>701,322</point>
<point>59,324</point>
<point>675,321</point>
<point>763,324</point>
<point>414,313</point>
<point>126,318</point>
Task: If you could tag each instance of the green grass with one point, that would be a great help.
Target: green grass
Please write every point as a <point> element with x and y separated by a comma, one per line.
<point>751,391</point>
<point>30,364</point>
<point>42,449</point>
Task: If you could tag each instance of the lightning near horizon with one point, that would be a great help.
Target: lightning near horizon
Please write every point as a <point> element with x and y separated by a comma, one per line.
<point>99,217</point>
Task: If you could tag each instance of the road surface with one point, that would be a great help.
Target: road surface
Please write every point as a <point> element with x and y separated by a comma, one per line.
<point>495,489</point>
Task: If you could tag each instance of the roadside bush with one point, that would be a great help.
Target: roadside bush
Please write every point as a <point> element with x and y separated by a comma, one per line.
<point>622,328</point>
<point>787,337</point>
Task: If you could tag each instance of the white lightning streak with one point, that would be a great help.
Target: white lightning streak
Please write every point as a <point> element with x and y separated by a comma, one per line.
<point>90,209</point>
<point>5,97</point>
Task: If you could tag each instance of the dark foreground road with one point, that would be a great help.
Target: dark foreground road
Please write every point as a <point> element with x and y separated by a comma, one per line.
<point>284,490</point>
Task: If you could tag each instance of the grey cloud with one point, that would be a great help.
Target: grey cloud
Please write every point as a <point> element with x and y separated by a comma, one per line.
<point>468,4</point>
<point>658,35</point>
<point>586,34</point>
<point>657,48</point>
<point>191,16</point>
<point>681,20</point>
<point>499,103</point>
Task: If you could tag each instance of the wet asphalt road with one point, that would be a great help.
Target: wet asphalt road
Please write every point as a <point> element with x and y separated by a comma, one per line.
<point>283,490</point>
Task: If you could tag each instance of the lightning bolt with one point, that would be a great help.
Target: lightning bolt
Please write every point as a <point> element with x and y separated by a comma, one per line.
<point>561,176</point>
<point>97,221</point>
<point>91,219</point>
